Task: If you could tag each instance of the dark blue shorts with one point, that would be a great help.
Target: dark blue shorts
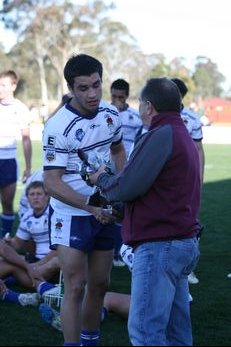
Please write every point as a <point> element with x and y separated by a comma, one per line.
<point>84,233</point>
<point>8,172</point>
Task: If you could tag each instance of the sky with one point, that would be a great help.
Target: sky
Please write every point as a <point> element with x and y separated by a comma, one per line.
<point>176,28</point>
<point>182,28</point>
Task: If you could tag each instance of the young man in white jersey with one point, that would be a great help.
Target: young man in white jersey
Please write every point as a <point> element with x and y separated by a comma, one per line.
<point>83,234</point>
<point>34,225</point>
<point>15,118</point>
<point>194,127</point>
<point>131,124</point>
<point>130,118</point>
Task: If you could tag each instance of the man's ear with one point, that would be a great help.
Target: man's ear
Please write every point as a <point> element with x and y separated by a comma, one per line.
<point>69,87</point>
<point>151,109</point>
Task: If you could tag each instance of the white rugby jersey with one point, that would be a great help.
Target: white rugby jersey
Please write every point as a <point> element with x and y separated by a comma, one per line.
<point>65,133</point>
<point>13,118</point>
<point>192,123</point>
<point>131,123</point>
<point>35,227</point>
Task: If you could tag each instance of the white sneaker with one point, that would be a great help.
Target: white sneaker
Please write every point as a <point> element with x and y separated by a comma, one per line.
<point>118,263</point>
<point>229,275</point>
<point>127,255</point>
<point>192,278</point>
<point>55,291</point>
<point>26,299</point>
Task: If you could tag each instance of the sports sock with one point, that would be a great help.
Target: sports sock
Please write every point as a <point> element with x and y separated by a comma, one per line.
<point>43,287</point>
<point>72,344</point>
<point>10,296</point>
<point>104,314</point>
<point>7,223</point>
<point>89,338</point>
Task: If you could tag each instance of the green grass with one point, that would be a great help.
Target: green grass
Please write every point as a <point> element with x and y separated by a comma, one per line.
<point>210,310</point>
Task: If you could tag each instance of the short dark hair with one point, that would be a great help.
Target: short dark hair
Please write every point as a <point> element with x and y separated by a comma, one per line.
<point>181,85</point>
<point>163,94</point>
<point>121,84</point>
<point>10,74</point>
<point>34,185</point>
<point>81,65</point>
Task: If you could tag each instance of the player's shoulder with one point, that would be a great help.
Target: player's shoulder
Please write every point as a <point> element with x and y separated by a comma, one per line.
<point>105,106</point>
<point>133,111</point>
<point>59,119</point>
<point>28,215</point>
<point>187,112</point>
<point>19,103</point>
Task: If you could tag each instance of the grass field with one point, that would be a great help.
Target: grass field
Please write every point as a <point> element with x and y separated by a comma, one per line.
<point>211,309</point>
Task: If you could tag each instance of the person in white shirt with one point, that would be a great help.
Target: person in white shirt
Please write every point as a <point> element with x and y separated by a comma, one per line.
<point>194,126</point>
<point>15,118</point>
<point>82,233</point>
<point>131,123</point>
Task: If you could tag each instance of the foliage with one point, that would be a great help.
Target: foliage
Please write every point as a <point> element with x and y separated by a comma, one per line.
<point>207,78</point>
<point>49,31</point>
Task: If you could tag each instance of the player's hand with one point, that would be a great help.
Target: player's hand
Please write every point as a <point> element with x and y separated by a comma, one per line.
<point>26,175</point>
<point>94,176</point>
<point>2,287</point>
<point>7,238</point>
<point>34,274</point>
<point>103,215</point>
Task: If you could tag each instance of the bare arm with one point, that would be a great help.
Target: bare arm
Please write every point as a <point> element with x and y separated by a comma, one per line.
<point>118,156</point>
<point>63,192</point>
<point>11,256</point>
<point>15,242</point>
<point>200,149</point>
<point>27,150</point>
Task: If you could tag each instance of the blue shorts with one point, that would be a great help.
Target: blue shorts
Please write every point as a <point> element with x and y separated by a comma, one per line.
<point>8,172</point>
<point>84,233</point>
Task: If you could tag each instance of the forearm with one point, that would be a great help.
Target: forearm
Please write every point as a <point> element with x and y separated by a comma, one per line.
<point>11,256</point>
<point>27,150</point>
<point>202,165</point>
<point>63,192</point>
<point>118,156</point>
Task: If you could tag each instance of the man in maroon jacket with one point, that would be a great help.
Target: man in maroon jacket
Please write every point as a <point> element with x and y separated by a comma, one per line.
<point>160,186</point>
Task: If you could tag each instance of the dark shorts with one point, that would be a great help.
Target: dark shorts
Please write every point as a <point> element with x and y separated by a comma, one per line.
<point>84,233</point>
<point>8,172</point>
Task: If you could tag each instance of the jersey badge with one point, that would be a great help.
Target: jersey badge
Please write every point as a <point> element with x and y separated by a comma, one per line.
<point>29,224</point>
<point>79,134</point>
<point>110,124</point>
<point>50,154</point>
<point>50,151</point>
<point>58,224</point>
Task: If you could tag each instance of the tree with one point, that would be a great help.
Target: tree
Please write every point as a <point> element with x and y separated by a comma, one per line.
<point>81,28</point>
<point>207,78</point>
